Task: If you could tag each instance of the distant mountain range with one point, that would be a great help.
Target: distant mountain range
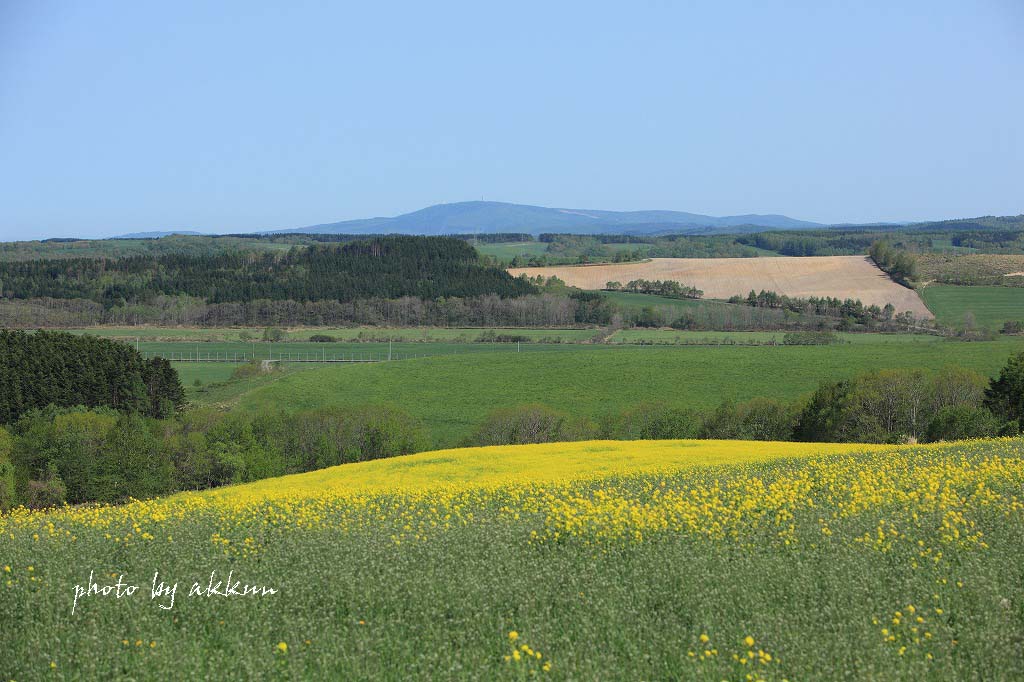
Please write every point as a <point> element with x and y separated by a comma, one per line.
<point>488,217</point>
<point>493,216</point>
<point>158,234</point>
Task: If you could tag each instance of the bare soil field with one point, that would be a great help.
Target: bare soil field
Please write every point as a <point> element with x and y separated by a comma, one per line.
<point>837,276</point>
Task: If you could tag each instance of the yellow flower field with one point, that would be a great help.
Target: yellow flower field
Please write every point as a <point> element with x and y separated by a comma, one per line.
<point>590,552</point>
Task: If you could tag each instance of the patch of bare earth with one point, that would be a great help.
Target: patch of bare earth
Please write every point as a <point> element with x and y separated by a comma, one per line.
<point>840,277</point>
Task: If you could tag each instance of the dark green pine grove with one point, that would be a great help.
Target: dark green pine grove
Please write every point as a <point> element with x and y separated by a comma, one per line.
<point>385,267</point>
<point>55,368</point>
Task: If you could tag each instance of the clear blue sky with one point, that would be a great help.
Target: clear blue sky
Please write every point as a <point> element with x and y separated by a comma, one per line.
<point>232,116</point>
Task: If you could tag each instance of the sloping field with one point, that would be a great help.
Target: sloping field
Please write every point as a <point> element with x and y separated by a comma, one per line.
<point>837,276</point>
<point>543,463</point>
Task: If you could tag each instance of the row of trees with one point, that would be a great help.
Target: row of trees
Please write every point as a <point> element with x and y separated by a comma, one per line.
<point>850,309</point>
<point>541,310</point>
<point>386,267</point>
<point>900,265</point>
<point>56,368</point>
<point>667,288</point>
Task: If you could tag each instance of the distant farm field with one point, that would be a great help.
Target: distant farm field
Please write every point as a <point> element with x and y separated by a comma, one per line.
<point>836,276</point>
<point>990,306</point>
<point>453,394</point>
<point>506,251</point>
<point>674,336</point>
<point>981,268</point>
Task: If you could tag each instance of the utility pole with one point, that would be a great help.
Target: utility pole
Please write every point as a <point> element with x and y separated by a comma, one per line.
<point>389,349</point>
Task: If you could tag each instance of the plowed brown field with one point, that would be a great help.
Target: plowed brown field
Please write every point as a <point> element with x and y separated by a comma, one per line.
<point>837,276</point>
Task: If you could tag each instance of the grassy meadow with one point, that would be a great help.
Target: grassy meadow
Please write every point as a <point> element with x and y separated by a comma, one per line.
<point>991,306</point>
<point>453,394</point>
<point>597,560</point>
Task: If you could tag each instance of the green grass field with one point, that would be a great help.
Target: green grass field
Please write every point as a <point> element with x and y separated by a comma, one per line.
<point>638,301</point>
<point>453,394</point>
<point>206,372</point>
<point>991,306</point>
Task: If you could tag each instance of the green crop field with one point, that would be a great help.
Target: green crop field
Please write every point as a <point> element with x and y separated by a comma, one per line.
<point>991,306</point>
<point>453,394</point>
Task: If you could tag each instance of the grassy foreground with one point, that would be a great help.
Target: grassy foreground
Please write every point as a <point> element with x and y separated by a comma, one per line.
<point>724,560</point>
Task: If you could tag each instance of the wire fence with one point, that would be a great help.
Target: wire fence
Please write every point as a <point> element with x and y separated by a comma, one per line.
<point>244,357</point>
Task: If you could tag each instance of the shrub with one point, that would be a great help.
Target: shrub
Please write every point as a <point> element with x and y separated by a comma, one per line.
<point>47,492</point>
<point>1005,395</point>
<point>322,338</point>
<point>822,338</point>
<point>961,422</point>
<point>254,368</point>
<point>757,419</point>
<point>528,424</point>
<point>273,334</point>
<point>886,406</point>
<point>1012,327</point>
<point>649,317</point>
<point>315,439</point>
<point>653,421</point>
<point>7,497</point>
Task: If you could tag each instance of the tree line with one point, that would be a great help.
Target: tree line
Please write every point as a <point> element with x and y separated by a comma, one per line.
<point>667,288</point>
<point>56,368</point>
<point>848,309</point>
<point>539,310</point>
<point>386,267</point>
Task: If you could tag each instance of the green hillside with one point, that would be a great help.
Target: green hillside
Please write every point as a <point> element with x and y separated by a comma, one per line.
<point>453,394</point>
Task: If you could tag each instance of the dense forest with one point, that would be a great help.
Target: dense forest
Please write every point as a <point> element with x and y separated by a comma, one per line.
<point>56,368</point>
<point>388,267</point>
